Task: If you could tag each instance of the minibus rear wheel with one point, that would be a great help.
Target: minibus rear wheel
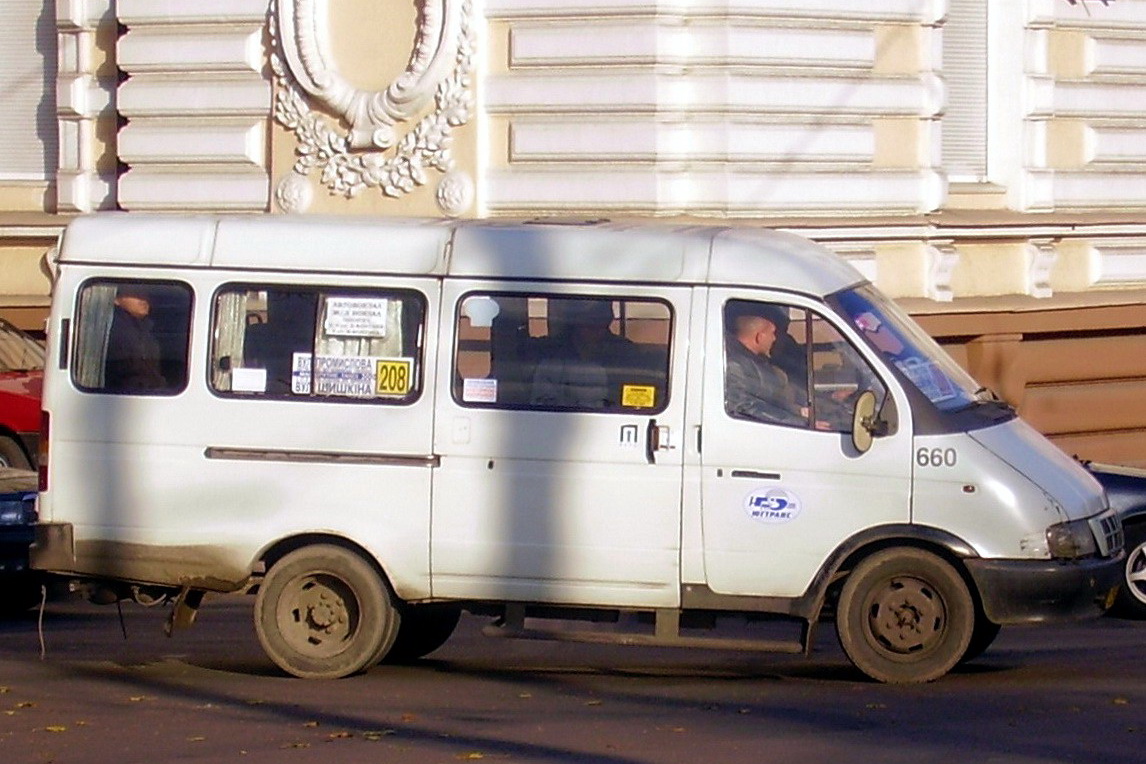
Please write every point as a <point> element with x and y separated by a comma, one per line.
<point>905,615</point>
<point>323,612</point>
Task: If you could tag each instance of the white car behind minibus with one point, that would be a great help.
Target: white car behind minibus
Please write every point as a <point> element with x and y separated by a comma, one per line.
<point>374,425</point>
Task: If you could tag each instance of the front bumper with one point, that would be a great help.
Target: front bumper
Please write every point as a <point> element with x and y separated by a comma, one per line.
<point>1028,591</point>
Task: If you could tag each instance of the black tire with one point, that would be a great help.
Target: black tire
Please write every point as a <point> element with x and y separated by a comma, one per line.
<point>1131,599</point>
<point>981,638</point>
<point>905,615</point>
<point>323,612</point>
<point>424,629</point>
<point>12,455</point>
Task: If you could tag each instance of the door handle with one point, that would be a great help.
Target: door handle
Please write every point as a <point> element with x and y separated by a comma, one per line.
<point>652,441</point>
<point>755,475</point>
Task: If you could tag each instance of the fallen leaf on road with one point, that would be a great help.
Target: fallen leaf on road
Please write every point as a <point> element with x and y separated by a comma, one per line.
<point>196,739</point>
<point>56,728</point>
<point>1121,702</point>
<point>310,724</point>
<point>26,704</point>
<point>296,745</point>
<point>408,717</point>
<point>339,735</point>
<point>592,702</point>
<point>376,734</point>
<point>469,756</point>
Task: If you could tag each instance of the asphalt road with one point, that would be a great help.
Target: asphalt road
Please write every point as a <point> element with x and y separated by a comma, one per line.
<point>1061,693</point>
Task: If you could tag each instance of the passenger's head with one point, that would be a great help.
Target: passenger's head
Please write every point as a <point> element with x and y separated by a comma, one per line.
<point>134,299</point>
<point>756,325</point>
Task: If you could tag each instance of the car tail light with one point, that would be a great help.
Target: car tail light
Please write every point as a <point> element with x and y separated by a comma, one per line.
<point>42,450</point>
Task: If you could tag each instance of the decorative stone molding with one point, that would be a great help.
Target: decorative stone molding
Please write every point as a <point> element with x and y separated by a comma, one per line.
<point>748,192</point>
<point>349,163</point>
<point>942,259</point>
<point>1118,263</point>
<point>632,139</point>
<point>196,100</point>
<point>1042,254</point>
<point>294,194</point>
<point>733,92</point>
<point>635,41</point>
<point>920,11</point>
<point>81,101</point>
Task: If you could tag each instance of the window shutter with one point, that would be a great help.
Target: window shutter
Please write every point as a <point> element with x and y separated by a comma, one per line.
<point>964,126</point>
<point>28,137</point>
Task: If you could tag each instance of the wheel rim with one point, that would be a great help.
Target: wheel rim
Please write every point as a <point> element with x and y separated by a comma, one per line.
<point>318,615</point>
<point>907,616</point>
<point>1136,573</point>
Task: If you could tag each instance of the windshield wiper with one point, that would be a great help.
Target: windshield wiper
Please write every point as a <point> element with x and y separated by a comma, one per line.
<point>986,398</point>
<point>987,395</point>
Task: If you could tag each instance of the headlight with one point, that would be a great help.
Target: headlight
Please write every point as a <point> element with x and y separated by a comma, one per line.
<point>1071,540</point>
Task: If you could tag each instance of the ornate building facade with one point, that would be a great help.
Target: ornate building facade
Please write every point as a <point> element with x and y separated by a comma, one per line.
<point>984,163</point>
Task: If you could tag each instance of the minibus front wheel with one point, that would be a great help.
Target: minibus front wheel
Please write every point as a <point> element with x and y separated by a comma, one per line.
<point>323,612</point>
<point>905,615</point>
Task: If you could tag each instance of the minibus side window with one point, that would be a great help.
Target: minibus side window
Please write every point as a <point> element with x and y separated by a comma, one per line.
<point>562,353</point>
<point>789,366</point>
<point>302,343</point>
<point>132,337</point>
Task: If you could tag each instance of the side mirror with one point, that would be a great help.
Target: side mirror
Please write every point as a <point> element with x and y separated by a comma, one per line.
<point>864,427</point>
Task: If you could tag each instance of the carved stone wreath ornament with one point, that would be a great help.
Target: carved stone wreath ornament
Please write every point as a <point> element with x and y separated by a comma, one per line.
<point>371,154</point>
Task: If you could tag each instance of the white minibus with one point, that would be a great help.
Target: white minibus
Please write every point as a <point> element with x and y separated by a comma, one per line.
<point>631,432</point>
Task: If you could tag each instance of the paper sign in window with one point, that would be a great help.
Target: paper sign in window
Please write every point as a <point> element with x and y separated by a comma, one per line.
<point>356,317</point>
<point>249,380</point>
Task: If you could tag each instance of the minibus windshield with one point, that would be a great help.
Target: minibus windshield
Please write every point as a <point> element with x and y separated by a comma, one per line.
<point>906,346</point>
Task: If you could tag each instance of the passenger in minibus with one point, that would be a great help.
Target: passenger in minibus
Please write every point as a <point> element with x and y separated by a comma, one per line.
<point>575,372</point>
<point>133,353</point>
<point>755,385</point>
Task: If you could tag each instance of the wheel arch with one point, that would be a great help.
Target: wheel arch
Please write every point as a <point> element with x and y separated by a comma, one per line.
<point>947,546</point>
<point>1134,516</point>
<point>275,551</point>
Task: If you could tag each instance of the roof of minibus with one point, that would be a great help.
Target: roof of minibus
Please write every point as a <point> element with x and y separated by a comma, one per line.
<point>624,251</point>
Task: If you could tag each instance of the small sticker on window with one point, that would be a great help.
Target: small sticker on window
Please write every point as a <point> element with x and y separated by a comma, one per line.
<point>249,380</point>
<point>479,391</point>
<point>638,396</point>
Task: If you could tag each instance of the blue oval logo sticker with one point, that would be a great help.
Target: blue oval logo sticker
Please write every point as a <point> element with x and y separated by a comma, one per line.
<point>772,505</point>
